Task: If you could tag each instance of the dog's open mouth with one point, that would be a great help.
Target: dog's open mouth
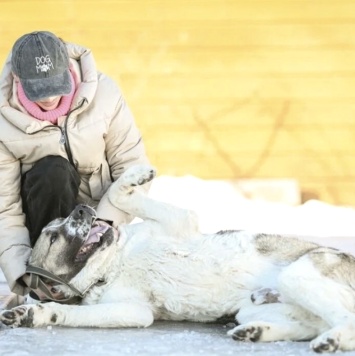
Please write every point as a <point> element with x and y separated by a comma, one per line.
<point>93,240</point>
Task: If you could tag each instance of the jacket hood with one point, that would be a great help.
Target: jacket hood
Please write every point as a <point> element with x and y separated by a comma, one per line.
<point>87,84</point>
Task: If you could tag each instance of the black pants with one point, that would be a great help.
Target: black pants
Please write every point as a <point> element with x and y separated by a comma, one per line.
<point>49,190</point>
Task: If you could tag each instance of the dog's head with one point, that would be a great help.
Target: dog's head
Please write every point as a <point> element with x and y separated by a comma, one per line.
<point>75,245</point>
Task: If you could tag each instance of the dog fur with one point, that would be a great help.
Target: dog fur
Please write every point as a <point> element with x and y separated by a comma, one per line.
<point>277,287</point>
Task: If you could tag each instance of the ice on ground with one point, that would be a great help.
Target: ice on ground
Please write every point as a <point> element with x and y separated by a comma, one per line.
<point>219,206</point>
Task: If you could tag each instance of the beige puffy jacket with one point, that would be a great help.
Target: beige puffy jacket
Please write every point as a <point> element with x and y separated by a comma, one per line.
<point>103,138</point>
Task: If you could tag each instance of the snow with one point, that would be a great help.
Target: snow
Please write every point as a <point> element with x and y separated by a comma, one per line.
<point>220,206</point>
<point>163,338</point>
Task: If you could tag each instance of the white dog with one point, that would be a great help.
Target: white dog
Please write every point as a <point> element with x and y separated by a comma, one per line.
<point>164,269</point>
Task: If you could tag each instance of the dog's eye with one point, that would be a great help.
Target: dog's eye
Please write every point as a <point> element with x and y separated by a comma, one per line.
<point>54,236</point>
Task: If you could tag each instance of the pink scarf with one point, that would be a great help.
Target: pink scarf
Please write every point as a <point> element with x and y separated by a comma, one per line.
<point>50,115</point>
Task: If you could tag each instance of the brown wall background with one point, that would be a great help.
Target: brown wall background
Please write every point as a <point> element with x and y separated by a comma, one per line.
<point>224,88</point>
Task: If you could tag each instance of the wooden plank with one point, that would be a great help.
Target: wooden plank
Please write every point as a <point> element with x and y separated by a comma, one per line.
<point>183,88</point>
<point>251,140</point>
<point>182,36</point>
<point>239,88</point>
<point>339,192</point>
<point>219,165</point>
<point>245,63</point>
<point>182,10</point>
<point>192,38</point>
<point>256,112</point>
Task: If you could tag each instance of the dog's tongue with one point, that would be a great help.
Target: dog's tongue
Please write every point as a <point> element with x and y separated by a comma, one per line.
<point>96,232</point>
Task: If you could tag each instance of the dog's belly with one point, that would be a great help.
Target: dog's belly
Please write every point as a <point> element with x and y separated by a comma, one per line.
<point>208,279</point>
<point>209,294</point>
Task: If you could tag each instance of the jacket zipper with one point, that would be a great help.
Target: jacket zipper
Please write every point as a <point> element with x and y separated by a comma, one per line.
<point>64,135</point>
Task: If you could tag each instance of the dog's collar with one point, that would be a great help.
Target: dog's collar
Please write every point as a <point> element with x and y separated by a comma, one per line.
<point>36,282</point>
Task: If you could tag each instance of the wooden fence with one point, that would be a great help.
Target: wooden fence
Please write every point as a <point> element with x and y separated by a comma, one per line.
<point>224,88</point>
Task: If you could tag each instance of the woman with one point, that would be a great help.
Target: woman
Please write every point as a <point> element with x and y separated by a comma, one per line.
<point>66,134</point>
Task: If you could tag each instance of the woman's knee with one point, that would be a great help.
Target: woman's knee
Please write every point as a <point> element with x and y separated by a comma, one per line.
<point>49,190</point>
<point>51,176</point>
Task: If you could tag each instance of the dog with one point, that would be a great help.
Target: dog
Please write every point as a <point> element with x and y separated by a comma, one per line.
<point>276,287</point>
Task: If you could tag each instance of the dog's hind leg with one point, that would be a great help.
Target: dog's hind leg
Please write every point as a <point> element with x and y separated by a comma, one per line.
<point>172,220</point>
<point>322,282</point>
<point>276,322</point>
<point>338,338</point>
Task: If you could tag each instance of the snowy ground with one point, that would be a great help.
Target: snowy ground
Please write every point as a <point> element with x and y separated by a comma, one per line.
<point>163,338</point>
<point>220,206</point>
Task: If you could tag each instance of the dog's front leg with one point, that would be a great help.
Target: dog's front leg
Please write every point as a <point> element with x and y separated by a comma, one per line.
<point>169,219</point>
<point>115,315</point>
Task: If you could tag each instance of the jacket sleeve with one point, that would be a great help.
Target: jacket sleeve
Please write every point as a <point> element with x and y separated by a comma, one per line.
<point>124,145</point>
<point>124,148</point>
<point>15,246</point>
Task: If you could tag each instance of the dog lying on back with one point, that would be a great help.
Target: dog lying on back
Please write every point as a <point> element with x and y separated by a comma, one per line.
<point>164,269</point>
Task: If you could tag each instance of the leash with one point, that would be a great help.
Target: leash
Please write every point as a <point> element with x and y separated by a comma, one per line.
<point>36,283</point>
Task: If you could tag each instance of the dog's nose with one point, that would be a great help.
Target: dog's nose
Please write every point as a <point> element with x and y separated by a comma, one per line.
<point>81,210</point>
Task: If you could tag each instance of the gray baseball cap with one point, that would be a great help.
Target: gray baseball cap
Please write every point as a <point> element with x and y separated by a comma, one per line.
<point>40,60</point>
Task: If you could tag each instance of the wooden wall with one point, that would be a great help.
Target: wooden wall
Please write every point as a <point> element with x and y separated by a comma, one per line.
<point>224,88</point>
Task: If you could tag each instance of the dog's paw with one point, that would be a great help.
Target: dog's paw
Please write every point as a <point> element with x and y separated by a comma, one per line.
<point>137,175</point>
<point>246,333</point>
<point>325,343</point>
<point>141,175</point>
<point>123,187</point>
<point>265,296</point>
<point>18,316</point>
